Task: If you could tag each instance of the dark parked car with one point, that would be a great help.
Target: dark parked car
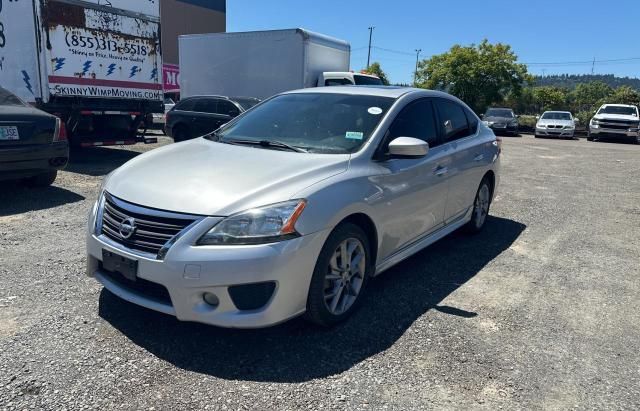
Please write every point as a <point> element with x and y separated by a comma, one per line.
<point>33,144</point>
<point>501,120</point>
<point>197,116</point>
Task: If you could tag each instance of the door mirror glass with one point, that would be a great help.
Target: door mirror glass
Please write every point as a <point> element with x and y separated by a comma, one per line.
<point>408,147</point>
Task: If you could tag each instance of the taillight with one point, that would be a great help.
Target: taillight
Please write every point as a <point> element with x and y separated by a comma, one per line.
<point>61,131</point>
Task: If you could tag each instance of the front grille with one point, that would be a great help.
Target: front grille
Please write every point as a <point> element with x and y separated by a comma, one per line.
<point>554,126</point>
<point>627,123</point>
<point>141,287</point>
<point>617,126</point>
<point>152,231</point>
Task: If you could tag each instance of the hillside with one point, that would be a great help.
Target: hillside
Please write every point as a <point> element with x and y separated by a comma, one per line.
<point>571,80</point>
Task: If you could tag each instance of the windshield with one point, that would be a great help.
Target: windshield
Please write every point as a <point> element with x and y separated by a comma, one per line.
<point>318,123</point>
<point>554,115</point>
<point>366,80</point>
<point>246,102</point>
<point>626,111</point>
<point>499,112</point>
<point>8,99</point>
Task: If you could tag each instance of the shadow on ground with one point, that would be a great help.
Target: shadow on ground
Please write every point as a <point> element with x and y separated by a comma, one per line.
<point>15,198</point>
<point>98,161</point>
<point>297,351</point>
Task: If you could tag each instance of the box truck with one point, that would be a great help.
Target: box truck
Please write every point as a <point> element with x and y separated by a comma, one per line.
<point>263,63</point>
<point>95,64</point>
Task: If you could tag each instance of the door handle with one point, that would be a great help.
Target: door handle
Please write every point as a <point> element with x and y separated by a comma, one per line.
<point>440,171</point>
<point>479,157</point>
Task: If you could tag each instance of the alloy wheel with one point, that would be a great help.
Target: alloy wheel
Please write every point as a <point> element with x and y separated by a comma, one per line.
<point>345,276</point>
<point>481,209</point>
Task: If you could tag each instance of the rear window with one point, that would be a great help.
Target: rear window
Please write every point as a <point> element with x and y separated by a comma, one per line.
<point>366,80</point>
<point>9,99</point>
<point>246,102</point>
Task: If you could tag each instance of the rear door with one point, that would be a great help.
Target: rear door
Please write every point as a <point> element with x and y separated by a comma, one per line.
<point>207,115</point>
<point>460,129</point>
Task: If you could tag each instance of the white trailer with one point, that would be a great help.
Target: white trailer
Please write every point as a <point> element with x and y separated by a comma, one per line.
<point>258,64</point>
<point>96,64</point>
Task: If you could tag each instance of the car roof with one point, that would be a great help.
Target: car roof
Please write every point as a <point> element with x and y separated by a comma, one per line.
<point>618,105</point>
<point>377,91</point>
<point>557,111</point>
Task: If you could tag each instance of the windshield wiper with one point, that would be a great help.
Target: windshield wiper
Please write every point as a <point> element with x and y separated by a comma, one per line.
<point>265,143</point>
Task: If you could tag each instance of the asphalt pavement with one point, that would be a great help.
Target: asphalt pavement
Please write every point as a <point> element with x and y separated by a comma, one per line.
<point>541,310</point>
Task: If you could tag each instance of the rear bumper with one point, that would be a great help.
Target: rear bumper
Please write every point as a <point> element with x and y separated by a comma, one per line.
<point>21,162</point>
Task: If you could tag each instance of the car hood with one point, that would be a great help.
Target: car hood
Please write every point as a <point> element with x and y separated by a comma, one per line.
<point>208,178</point>
<point>615,117</point>
<point>556,123</point>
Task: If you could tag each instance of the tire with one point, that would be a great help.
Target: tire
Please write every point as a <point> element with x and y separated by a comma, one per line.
<point>43,180</point>
<point>589,136</point>
<point>181,133</point>
<point>327,304</point>
<point>481,208</point>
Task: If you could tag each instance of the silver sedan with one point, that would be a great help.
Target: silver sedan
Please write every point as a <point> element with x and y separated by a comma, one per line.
<point>294,206</point>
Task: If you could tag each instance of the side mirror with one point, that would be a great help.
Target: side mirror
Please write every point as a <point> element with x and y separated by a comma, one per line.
<point>537,117</point>
<point>518,116</point>
<point>576,120</point>
<point>481,116</point>
<point>408,147</point>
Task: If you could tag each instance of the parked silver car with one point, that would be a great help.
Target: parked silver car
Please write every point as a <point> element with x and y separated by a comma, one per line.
<point>556,124</point>
<point>292,207</point>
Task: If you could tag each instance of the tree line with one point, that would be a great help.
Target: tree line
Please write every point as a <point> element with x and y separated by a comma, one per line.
<point>488,75</point>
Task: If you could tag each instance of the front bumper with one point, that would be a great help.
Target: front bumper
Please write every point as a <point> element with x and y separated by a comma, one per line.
<point>188,272</point>
<point>610,132</point>
<point>504,128</point>
<point>31,160</point>
<point>557,132</point>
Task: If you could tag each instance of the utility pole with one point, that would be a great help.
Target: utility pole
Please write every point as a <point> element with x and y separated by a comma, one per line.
<point>544,72</point>
<point>370,38</point>
<point>593,67</point>
<point>415,73</point>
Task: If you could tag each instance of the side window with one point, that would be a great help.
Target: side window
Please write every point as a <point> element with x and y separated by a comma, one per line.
<point>452,120</point>
<point>227,108</point>
<point>185,105</point>
<point>472,119</point>
<point>206,106</point>
<point>416,120</point>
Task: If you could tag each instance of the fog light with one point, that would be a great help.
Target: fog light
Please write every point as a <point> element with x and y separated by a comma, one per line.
<point>211,299</point>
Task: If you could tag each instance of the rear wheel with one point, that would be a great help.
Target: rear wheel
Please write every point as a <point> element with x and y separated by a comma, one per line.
<point>481,207</point>
<point>43,180</point>
<point>340,276</point>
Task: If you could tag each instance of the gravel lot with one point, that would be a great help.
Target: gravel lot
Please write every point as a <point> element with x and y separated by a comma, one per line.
<point>542,310</point>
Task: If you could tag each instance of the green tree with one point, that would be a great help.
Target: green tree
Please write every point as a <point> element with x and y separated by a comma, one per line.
<point>587,95</point>
<point>480,75</point>
<point>550,98</point>
<point>376,70</point>
<point>625,95</point>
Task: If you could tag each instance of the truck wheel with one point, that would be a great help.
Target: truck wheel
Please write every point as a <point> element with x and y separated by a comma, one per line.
<point>181,133</point>
<point>43,180</point>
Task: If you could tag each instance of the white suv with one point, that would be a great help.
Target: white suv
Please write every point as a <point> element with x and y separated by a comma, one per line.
<point>615,120</point>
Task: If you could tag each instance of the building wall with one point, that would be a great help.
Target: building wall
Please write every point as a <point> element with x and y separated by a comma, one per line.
<point>189,17</point>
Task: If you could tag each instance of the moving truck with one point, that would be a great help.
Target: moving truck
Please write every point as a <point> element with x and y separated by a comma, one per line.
<point>263,63</point>
<point>95,64</point>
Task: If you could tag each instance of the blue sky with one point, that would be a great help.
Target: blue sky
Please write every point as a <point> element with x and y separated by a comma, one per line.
<point>540,31</point>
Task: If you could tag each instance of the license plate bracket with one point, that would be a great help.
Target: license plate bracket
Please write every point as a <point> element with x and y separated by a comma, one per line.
<point>116,263</point>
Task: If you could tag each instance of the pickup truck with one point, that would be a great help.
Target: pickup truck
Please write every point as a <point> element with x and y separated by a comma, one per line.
<point>615,121</point>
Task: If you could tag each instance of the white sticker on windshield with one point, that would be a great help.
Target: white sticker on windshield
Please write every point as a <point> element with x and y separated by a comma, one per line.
<point>354,135</point>
<point>376,111</point>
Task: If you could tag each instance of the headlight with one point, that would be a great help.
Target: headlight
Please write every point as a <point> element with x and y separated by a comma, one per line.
<point>541,126</point>
<point>486,123</point>
<point>569,127</point>
<point>257,226</point>
<point>595,122</point>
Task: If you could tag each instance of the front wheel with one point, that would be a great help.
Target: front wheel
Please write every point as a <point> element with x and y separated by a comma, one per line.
<point>481,207</point>
<point>340,276</point>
